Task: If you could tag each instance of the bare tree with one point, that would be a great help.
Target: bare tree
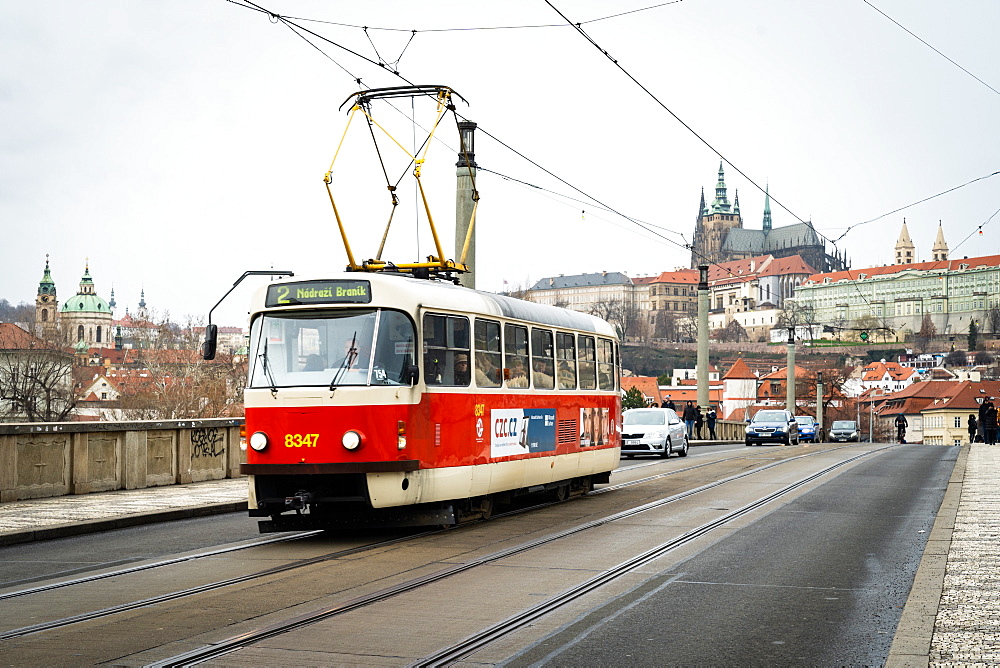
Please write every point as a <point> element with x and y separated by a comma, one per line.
<point>839,324</point>
<point>731,333</point>
<point>993,320</point>
<point>22,313</point>
<point>956,358</point>
<point>620,313</point>
<point>926,334</point>
<point>36,378</point>
<point>867,323</point>
<point>794,315</point>
<point>180,384</point>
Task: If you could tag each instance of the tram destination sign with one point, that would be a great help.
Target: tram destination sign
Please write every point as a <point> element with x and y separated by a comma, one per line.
<point>319,292</point>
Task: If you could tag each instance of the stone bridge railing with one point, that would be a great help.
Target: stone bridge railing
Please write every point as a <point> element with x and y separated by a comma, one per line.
<point>53,459</point>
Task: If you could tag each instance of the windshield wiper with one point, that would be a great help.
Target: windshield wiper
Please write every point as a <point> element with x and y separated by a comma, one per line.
<point>352,354</point>
<point>267,369</point>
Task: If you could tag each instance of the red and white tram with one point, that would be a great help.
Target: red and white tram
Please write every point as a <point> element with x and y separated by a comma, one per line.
<point>384,400</point>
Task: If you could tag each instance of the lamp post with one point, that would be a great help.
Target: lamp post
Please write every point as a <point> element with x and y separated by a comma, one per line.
<point>703,337</point>
<point>819,405</point>
<point>466,196</point>
<point>790,373</point>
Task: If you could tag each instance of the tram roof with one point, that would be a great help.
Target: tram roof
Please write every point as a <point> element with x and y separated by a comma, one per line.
<point>428,293</point>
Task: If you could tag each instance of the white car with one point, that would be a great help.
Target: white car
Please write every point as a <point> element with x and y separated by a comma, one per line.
<point>653,431</point>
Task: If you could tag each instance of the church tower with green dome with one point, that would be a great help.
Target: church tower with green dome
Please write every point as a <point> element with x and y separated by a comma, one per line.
<point>86,318</point>
<point>47,306</point>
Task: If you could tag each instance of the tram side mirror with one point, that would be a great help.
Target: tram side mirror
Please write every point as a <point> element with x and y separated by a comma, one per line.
<point>412,373</point>
<point>211,340</point>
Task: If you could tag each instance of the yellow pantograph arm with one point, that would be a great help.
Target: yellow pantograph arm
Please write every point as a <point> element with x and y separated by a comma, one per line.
<point>340,224</point>
<point>342,137</point>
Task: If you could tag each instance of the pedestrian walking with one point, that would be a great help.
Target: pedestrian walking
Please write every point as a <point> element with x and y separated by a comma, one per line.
<point>973,428</point>
<point>699,420</point>
<point>981,428</point>
<point>668,404</point>
<point>990,425</point>
<point>689,418</point>
<point>710,419</point>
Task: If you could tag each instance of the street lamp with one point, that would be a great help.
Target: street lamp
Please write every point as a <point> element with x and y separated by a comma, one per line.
<point>819,405</point>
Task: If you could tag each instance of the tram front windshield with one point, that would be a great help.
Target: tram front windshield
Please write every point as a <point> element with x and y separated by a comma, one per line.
<point>330,348</point>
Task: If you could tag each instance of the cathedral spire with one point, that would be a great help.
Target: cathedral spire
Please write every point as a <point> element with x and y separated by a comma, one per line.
<point>721,202</point>
<point>940,249</point>
<point>736,203</point>
<point>904,247</point>
<point>767,208</point>
<point>701,207</point>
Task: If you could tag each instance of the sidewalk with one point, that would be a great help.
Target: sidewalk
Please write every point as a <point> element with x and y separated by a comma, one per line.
<point>71,515</point>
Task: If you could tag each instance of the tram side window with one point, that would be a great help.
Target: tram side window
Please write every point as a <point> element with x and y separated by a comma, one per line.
<point>516,361</point>
<point>394,349</point>
<point>446,350</point>
<point>566,360</point>
<point>618,366</point>
<point>488,357</point>
<point>606,364</point>
<point>541,358</point>
<point>588,363</point>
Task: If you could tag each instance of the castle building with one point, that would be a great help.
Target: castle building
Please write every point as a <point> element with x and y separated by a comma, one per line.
<point>719,235</point>
<point>85,318</point>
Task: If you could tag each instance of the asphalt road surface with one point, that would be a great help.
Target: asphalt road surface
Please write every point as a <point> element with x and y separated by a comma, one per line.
<point>820,581</point>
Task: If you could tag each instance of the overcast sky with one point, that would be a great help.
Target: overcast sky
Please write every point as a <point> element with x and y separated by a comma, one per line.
<point>177,144</point>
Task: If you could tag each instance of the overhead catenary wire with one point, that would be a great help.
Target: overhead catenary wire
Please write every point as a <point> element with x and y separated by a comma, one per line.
<point>288,22</point>
<point>929,46</point>
<point>472,29</point>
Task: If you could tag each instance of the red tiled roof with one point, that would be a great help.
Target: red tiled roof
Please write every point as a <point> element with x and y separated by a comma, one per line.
<point>13,337</point>
<point>739,371</point>
<point>787,265</point>
<point>941,265</point>
<point>782,373</point>
<point>646,384</point>
<point>689,276</point>
<point>896,371</point>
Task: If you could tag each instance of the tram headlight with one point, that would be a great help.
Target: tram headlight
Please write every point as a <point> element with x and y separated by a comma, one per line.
<point>258,441</point>
<point>351,440</point>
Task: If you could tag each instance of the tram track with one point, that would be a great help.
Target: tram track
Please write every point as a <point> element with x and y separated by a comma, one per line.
<point>372,597</point>
<point>305,534</point>
<point>472,643</point>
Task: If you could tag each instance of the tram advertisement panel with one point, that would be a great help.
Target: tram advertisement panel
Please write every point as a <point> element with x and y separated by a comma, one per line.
<point>595,426</point>
<point>517,431</point>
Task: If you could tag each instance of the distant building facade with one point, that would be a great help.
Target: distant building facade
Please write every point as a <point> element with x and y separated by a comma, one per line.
<point>954,293</point>
<point>583,292</point>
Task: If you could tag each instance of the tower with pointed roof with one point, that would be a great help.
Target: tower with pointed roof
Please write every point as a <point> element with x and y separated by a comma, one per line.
<point>904,247</point>
<point>86,318</point>
<point>47,306</point>
<point>939,251</point>
<point>767,208</point>
<point>142,313</point>
<point>713,225</point>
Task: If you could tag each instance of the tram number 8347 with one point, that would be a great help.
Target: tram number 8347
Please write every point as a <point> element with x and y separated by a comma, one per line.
<point>301,440</point>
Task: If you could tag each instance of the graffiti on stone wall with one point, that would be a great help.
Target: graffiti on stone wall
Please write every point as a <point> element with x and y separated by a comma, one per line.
<point>207,442</point>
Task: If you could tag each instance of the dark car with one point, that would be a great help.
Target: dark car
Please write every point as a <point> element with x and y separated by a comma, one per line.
<point>808,428</point>
<point>844,430</point>
<point>773,426</point>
